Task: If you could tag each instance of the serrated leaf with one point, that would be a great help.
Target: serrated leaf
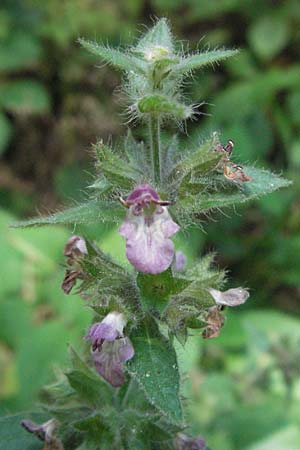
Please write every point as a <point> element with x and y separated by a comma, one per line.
<point>196,163</point>
<point>115,169</point>
<point>26,96</point>
<point>89,212</point>
<point>114,57</point>
<point>14,437</point>
<point>198,60</point>
<point>154,367</point>
<point>161,104</point>
<point>90,388</point>
<point>138,155</point>
<point>263,182</point>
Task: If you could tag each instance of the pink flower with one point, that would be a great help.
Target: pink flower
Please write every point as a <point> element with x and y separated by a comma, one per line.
<point>147,229</point>
<point>231,297</point>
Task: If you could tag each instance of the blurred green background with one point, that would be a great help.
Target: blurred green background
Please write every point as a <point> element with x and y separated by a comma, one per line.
<point>243,387</point>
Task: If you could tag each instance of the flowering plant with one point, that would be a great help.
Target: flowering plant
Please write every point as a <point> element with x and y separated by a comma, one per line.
<point>123,391</point>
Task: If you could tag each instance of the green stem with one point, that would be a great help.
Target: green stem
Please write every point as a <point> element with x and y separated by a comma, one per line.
<point>155,146</point>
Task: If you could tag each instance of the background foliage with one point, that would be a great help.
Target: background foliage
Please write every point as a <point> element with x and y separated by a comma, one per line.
<point>54,102</point>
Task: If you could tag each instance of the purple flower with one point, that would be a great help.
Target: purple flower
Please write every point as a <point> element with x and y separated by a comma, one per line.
<point>180,261</point>
<point>147,229</point>
<point>110,348</point>
<point>183,442</point>
<point>109,360</point>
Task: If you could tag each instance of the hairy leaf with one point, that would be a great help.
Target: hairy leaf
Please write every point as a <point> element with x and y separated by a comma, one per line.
<point>198,60</point>
<point>89,212</point>
<point>154,367</point>
<point>195,163</point>
<point>263,182</point>
<point>116,170</point>
<point>138,155</point>
<point>116,58</point>
<point>156,289</point>
<point>91,389</point>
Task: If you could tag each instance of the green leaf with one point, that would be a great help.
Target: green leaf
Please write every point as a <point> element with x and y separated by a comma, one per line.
<point>24,96</point>
<point>90,388</point>
<point>114,57</point>
<point>156,289</point>
<point>154,367</point>
<point>14,437</point>
<point>186,306</point>
<point>198,60</point>
<point>196,163</point>
<point>19,50</point>
<point>5,132</point>
<point>89,212</point>
<point>94,428</point>
<point>161,104</point>
<point>137,154</point>
<point>269,35</point>
<point>115,169</point>
<point>263,182</point>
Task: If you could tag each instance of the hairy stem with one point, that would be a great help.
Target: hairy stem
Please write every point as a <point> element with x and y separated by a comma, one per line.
<point>155,147</point>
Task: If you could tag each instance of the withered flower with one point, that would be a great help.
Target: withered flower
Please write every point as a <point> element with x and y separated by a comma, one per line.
<point>74,249</point>
<point>214,322</point>
<point>45,432</point>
